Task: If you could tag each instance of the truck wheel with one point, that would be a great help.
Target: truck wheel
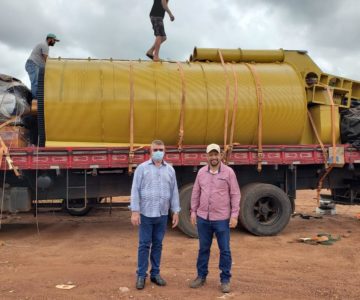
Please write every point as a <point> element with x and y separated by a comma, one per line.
<point>264,209</point>
<point>184,215</point>
<point>76,206</point>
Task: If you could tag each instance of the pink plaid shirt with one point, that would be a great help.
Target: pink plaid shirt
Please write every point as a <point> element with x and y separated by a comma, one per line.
<point>216,196</point>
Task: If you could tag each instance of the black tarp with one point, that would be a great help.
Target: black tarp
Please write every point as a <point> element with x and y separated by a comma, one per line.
<point>350,126</point>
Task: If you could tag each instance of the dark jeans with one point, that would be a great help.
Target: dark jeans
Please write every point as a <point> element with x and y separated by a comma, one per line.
<point>151,234</point>
<point>206,230</point>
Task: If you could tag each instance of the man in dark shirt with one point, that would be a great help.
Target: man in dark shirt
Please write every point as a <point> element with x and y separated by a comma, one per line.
<point>157,15</point>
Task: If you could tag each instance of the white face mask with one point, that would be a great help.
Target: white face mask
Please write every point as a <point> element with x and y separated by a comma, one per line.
<point>157,155</point>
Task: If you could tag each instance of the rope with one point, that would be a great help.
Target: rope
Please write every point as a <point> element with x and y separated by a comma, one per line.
<point>226,121</point>
<point>131,152</point>
<point>183,102</point>
<point>259,96</point>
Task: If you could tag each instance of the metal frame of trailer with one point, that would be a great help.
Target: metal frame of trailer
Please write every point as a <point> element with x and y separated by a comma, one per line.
<point>33,158</point>
<point>82,177</point>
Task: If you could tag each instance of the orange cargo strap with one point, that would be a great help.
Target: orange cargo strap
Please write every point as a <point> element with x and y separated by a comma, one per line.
<point>259,96</point>
<point>318,139</point>
<point>333,133</point>
<point>333,137</point>
<point>226,104</point>
<point>327,167</point>
<point>182,111</point>
<point>132,96</point>
<point>320,184</point>
<point>233,120</point>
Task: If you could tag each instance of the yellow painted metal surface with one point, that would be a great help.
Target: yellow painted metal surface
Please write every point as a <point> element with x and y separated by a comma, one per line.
<point>87,103</point>
<point>321,115</point>
<point>238,55</point>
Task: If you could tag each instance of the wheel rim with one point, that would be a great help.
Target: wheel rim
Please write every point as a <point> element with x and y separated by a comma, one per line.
<point>77,204</point>
<point>267,210</point>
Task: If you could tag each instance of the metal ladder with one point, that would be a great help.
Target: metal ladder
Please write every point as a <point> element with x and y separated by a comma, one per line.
<point>68,187</point>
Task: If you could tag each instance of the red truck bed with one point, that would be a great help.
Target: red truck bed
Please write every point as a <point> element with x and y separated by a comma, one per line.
<point>89,158</point>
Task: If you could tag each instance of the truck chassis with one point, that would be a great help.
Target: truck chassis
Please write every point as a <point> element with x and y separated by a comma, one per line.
<point>81,177</point>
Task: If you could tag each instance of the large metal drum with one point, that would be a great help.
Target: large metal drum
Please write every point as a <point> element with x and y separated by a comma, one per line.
<point>87,102</point>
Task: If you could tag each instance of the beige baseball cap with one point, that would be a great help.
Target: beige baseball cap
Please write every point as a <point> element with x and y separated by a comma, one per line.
<point>213,147</point>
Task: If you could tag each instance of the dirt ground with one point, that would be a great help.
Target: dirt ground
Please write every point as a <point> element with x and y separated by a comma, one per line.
<point>98,255</point>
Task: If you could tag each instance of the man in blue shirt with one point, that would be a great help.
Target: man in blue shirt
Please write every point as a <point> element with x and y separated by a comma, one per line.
<point>154,191</point>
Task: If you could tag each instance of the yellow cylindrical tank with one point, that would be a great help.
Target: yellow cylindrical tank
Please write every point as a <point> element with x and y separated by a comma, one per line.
<point>238,55</point>
<point>87,102</point>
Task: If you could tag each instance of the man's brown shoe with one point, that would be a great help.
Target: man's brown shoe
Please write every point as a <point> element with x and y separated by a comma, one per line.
<point>198,282</point>
<point>225,287</point>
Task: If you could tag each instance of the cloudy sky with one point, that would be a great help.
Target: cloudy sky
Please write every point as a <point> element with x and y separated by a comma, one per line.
<point>328,29</point>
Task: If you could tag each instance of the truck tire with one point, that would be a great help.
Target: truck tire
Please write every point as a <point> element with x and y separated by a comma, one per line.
<point>184,215</point>
<point>264,209</point>
<point>80,210</point>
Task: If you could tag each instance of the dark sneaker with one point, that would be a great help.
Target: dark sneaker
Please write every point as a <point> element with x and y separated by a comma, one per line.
<point>158,280</point>
<point>198,282</point>
<point>225,287</point>
<point>140,283</point>
<point>149,55</point>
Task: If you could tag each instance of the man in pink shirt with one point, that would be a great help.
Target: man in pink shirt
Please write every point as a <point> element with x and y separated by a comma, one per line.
<point>215,204</point>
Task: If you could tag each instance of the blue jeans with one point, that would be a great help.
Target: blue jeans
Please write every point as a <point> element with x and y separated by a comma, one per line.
<point>151,234</point>
<point>206,230</point>
<point>33,71</point>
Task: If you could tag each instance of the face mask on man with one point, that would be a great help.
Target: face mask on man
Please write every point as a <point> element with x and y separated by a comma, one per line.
<point>157,155</point>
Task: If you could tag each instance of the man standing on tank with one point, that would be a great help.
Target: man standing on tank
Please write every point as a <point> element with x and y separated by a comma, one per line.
<point>157,15</point>
<point>37,60</point>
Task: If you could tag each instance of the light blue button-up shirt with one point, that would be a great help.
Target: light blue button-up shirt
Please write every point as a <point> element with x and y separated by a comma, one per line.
<point>154,190</point>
